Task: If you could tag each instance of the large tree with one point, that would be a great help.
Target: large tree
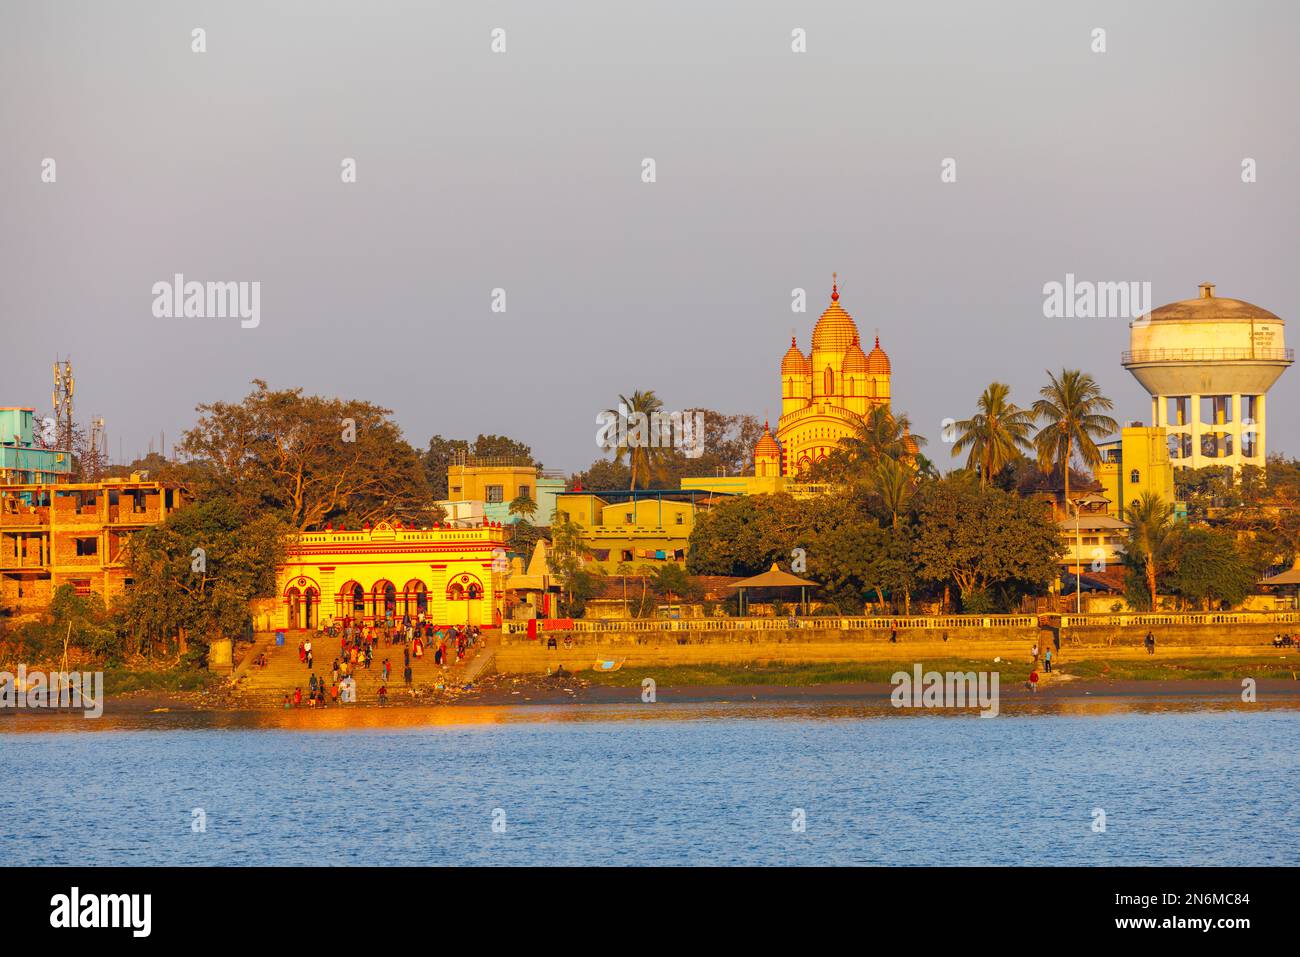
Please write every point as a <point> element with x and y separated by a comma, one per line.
<point>1071,410</point>
<point>197,571</point>
<point>981,538</point>
<point>308,459</point>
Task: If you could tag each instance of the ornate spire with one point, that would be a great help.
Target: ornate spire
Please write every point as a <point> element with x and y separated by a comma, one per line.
<point>835,287</point>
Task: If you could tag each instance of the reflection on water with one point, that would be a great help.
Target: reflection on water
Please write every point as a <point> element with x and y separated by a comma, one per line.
<point>1196,780</point>
<point>363,719</point>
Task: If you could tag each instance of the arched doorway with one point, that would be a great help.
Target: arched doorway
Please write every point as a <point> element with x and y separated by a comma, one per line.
<point>415,599</point>
<point>293,607</point>
<point>385,593</point>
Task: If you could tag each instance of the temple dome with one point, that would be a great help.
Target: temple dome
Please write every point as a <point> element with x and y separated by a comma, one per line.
<point>835,330</point>
<point>855,360</point>
<point>794,362</point>
<point>767,445</point>
<point>878,361</point>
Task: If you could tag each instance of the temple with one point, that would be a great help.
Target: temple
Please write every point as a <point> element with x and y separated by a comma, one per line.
<point>824,395</point>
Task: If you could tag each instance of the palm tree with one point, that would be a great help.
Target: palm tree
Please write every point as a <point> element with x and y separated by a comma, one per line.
<point>1071,408</point>
<point>1151,535</point>
<point>892,482</point>
<point>645,457</point>
<point>996,434</point>
<point>623,570</point>
<point>881,434</point>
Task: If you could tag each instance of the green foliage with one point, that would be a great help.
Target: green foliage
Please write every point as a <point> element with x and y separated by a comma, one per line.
<point>196,573</point>
<point>1209,568</point>
<point>1071,410</point>
<point>307,459</point>
<point>981,538</point>
<point>996,435</point>
<point>82,620</point>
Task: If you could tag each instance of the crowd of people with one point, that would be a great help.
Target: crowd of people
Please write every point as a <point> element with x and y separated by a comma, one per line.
<point>448,645</point>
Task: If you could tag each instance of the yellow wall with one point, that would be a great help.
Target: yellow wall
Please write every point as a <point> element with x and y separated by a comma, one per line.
<point>604,526</point>
<point>469,483</point>
<point>443,562</point>
<point>1145,450</point>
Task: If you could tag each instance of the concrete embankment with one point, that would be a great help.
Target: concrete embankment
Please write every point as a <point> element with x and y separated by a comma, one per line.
<point>518,655</point>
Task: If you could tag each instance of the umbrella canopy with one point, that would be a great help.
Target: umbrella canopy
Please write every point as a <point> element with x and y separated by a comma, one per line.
<point>775,578</point>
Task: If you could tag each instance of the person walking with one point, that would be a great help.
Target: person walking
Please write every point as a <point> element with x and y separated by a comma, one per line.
<point>1150,643</point>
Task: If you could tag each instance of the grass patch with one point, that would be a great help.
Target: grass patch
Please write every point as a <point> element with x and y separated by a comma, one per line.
<point>1187,669</point>
<point>793,675</point>
<point>125,680</point>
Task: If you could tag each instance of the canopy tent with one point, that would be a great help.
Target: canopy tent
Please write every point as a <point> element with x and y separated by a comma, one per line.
<point>774,578</point>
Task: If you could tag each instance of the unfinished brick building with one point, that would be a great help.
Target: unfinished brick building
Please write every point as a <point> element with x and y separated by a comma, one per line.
<point>75,534</point>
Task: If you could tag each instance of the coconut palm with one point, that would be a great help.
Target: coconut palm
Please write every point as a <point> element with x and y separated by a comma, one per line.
<point>1151,536</point>
<point>892,482</point>
<point>1071,411</point>
<point>645,456</point>
<point>996,434</point>
<point>881,434</point>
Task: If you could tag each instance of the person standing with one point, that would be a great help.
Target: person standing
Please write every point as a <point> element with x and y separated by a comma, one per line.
<point>1151,643</point>
<point>1047,660</point>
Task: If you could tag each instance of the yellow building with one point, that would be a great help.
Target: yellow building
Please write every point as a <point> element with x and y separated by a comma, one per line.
<point>824,394</point>
<point>498,482</point>
<point>74,533</point>
<point>450,575</point>
<point>644,527</point>
<point>1135,463</point>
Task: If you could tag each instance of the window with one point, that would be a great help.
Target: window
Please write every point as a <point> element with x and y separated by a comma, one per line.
<point>1134,477</point>
<point>526,491</point>
<point>496,493</point>
<point>87,546</point>
<point>455,490</point>
<point>627,554</point>
<point>681,519</point>
<point>627,518</point>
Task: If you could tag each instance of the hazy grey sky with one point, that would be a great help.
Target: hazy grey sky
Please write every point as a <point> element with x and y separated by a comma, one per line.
<point>523,171</point>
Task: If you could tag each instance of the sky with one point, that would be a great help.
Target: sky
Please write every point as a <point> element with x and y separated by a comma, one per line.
<point>522,171</point>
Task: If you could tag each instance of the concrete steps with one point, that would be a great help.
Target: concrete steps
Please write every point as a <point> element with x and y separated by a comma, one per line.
<point>266,686</point>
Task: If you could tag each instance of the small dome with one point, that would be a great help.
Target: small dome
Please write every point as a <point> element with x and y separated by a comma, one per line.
<point>878,361</point>
<point>835,330</point>
<point>794,362</point>
<point>767,445</point>
<point>855,360</point>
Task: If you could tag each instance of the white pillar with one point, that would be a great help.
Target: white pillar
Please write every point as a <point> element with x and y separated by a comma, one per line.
<point>1194,413</point>
<point>1237,451</point>
<point>1260,451</point>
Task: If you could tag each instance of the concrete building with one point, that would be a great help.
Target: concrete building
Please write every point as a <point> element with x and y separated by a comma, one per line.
<point>1135,463</point>
<point>75,534</point>
<point>451,575</point>
<point>1208,364</point>
<point>24,460</point>
<point>646,526</point>
<point>498,482</point>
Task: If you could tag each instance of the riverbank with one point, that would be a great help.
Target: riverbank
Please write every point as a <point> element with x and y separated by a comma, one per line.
<point>1275,675</point>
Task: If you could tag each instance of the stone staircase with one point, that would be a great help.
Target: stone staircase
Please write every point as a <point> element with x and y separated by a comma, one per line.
<point>265,687</point>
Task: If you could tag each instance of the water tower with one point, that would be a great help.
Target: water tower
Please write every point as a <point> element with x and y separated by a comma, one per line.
<point>1208,363</point>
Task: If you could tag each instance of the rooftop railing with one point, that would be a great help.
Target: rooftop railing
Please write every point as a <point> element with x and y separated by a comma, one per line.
<point>1207,355</point>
